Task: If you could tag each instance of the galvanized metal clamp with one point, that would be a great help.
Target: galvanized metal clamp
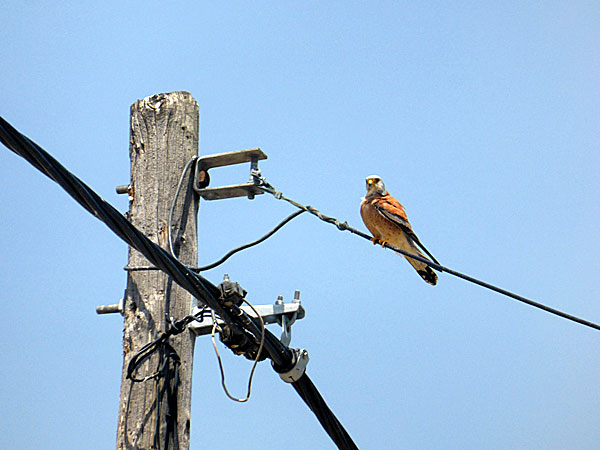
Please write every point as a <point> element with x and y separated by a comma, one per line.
<point>300,362</point>
<point>250,189</point>
<point>282,313</point>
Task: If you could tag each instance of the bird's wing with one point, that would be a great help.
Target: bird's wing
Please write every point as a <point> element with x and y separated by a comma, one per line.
<point>392,210</point>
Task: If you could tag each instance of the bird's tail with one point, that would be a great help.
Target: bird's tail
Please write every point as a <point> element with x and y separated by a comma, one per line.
<point>423,269</point>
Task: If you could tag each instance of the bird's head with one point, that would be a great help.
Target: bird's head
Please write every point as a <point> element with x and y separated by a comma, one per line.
<point>375,186</point>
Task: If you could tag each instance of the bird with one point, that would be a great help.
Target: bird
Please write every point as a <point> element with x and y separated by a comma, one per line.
<point>386,219</point>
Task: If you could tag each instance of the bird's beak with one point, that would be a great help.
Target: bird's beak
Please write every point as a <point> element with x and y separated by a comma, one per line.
<point>369,182</point>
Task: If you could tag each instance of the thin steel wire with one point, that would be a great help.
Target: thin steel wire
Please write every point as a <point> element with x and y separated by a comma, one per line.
<point>343,226</point>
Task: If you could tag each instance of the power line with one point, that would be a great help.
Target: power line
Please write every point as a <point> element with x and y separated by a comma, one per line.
<point>343,226</point>
<point>282,356</point>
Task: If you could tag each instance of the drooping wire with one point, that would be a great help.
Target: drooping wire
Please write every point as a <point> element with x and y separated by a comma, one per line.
<point>260,347</point>
<point>166,378</point>
<point>343,226</point>
<point>248,245</point>
<point>231,252</point>
<point>175,327</point>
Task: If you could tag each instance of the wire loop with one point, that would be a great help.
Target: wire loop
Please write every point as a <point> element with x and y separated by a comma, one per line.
<point>258,352</point>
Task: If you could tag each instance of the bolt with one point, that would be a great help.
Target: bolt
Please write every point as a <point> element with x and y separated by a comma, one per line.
<point>110,309</point>
<point>279,300</point>
<point>296,297</point>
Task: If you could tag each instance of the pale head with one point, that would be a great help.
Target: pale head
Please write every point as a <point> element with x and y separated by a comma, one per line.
<point>375,186</point>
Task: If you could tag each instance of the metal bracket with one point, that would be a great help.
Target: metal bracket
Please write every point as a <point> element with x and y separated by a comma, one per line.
<point>287,320</point>
<point>280,312</point>
<point>250,189</point>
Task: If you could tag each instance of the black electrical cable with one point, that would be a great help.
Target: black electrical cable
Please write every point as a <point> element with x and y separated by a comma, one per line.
<point>343,226</point>
<point>248,245</point>
<point>179,185</point>
<point>194,283</point>
<point>166,378</point>
<point>306,389</point>
<point>231,252</point>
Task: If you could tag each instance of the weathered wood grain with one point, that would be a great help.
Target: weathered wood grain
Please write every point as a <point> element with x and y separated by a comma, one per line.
<point>164,136</point>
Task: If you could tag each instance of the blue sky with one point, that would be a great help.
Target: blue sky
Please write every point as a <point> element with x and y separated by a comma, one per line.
<point>481,118</point>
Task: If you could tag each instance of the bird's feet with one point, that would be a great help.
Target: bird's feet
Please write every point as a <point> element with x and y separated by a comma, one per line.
<point>376,241</point>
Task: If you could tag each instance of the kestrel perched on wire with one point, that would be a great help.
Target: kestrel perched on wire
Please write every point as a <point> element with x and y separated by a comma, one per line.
<point>386,219</point>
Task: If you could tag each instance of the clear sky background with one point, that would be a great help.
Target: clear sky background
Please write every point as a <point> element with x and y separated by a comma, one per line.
<point>481,117</point>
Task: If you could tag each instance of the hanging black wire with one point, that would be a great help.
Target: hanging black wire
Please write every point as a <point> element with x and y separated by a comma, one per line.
<point>166,379</point>
<point>195,284</point>
<point>248,245</point>
<point>188,165</point>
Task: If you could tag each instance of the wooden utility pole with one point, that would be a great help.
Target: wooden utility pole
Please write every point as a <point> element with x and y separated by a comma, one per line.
<point>164,137</point>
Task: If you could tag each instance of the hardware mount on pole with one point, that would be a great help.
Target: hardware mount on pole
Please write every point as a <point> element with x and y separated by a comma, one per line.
<point>250,189</point>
